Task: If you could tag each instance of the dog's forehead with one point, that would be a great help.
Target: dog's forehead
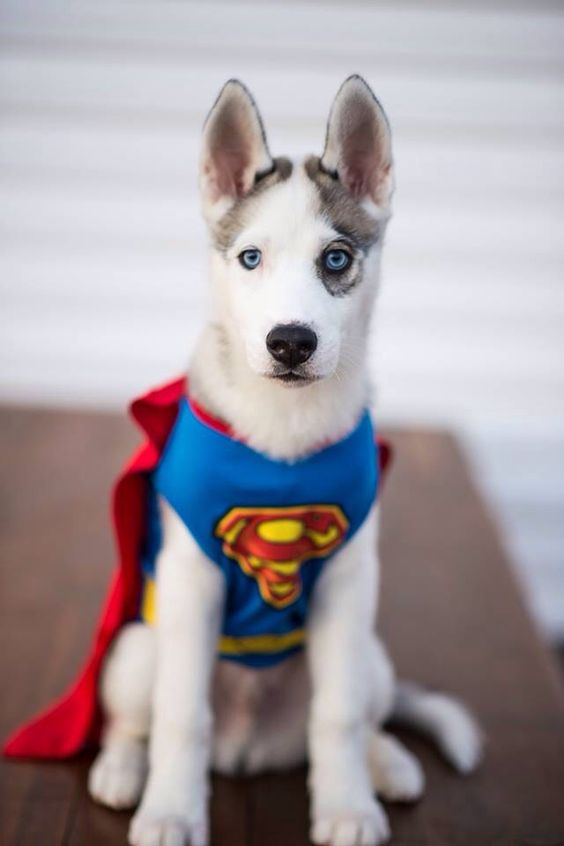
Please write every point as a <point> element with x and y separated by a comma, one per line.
<point>286,214</point>
<point>296,204</point>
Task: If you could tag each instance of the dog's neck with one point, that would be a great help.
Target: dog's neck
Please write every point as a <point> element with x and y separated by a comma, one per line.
<point>281,421</point>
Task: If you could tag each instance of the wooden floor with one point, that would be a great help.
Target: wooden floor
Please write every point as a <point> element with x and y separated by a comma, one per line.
<point>450,613</point>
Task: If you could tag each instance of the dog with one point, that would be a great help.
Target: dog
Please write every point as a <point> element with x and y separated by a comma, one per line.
<point>294,267</point>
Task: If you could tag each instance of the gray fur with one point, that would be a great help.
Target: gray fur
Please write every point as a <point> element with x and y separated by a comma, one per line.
<point>344,213</point>
<point>359,231</point>
<point>226,230</point>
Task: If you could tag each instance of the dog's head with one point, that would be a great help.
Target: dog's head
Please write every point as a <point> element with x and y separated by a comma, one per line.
<point>296,245</point>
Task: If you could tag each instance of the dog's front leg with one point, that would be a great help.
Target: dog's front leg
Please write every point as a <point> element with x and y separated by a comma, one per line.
<point>344,676</point>
<point>189,606</point>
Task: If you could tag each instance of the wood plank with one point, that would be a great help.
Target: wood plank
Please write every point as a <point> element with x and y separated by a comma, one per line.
<point>280,810</point>
<point>455,620</point>
<point>92,825</point>
<point>175,92</point>
<point>428,165</point>
<point>487,294</point>
<point>437,35</point>
<point>102,217</point>
<point>450,612</point>
<point>73,354</point>
<point>44,635</point>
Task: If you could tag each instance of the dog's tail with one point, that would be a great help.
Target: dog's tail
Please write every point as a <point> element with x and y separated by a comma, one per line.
<point>442,718</point>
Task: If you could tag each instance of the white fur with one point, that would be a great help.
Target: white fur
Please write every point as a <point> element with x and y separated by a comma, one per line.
<point>285,289</point>
<point>166,684</point>
<point>118,775</point>
<point>445,720</point>
<point>396,774</point>
<point>352,691</point>
<point>189,608</point>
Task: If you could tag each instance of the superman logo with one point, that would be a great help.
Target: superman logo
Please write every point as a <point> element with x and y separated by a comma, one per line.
<point>271,544</point>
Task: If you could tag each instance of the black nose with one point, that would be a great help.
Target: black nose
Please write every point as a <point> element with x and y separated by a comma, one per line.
<point>291,343</point>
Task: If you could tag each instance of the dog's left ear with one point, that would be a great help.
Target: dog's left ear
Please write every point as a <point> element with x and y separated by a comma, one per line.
<point>234,150</point>
<point>358,145</point>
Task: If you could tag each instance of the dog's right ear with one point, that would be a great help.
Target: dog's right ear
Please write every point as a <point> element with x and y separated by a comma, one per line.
<point>234,150</point>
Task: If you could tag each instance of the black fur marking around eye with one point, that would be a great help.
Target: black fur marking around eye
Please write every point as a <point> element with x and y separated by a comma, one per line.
<point>340,284</point>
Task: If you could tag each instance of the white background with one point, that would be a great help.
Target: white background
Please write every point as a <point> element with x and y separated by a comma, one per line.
<point>102,266</point>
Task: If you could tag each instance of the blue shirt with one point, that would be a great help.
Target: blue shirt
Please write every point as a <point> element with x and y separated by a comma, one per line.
<point>269,525</point>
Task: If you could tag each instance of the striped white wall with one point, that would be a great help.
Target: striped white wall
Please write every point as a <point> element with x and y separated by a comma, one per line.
<point>102,267</point>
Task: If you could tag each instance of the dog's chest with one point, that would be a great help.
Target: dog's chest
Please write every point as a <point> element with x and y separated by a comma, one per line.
<point>270,526</point>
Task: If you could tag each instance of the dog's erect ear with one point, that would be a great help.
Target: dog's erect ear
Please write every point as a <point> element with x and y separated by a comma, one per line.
<point>358,145</point>
<point>234,150</point>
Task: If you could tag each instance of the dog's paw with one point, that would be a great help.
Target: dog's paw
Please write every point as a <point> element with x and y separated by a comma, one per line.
<point>117,776</point>
<point>358,828</point>
<point>148,829</point>
<point>396,773</point>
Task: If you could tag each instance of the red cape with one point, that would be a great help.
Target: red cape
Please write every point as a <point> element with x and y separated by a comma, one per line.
<point>74,721</point>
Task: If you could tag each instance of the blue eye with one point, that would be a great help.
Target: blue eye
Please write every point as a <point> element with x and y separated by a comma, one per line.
<point>335,261</point>
<point>250,259</point>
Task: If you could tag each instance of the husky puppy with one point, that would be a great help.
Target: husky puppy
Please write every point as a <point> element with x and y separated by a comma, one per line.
<point>295,258</point>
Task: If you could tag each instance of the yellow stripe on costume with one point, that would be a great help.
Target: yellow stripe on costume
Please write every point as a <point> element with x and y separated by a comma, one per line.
<point>263,643</point>
<point>227,645</point>
<point>149,602</point>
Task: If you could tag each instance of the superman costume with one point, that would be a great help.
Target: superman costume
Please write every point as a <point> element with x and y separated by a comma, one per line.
<point>269,525</point>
